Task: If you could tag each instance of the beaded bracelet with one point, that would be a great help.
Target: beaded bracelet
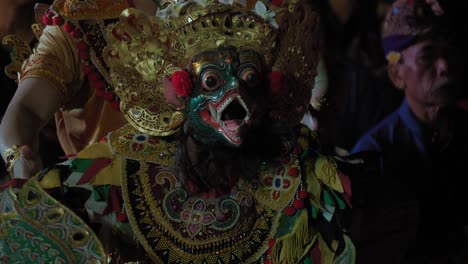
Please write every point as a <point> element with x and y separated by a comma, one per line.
<point>11,154</point>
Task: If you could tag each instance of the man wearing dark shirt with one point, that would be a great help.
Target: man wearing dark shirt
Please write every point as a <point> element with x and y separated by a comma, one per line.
<point>415,211</point>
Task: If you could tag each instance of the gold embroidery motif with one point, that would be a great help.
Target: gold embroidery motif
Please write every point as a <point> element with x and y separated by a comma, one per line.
<point>129,142</point>
<point>47,67</point>
<point>143,180</point>
<point>166,241</point>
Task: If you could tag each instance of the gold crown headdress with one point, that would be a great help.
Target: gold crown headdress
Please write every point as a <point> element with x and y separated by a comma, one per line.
<point>143,50</point>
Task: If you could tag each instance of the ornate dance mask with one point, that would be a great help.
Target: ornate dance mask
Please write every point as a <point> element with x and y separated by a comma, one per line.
<point>228,84</point>
<point>219,65</point>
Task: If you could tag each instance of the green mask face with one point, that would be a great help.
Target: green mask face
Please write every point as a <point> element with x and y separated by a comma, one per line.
<point>228,85</point>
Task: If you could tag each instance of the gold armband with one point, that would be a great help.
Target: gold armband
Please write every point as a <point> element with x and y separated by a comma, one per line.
<point>11,154</point>
<point>46,66</point>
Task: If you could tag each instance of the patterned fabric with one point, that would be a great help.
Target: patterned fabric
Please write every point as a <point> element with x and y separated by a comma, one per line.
<point>290,213</point>
<point>35,228</point>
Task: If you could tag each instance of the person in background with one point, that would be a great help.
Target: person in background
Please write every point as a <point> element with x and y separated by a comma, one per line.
<point>359,93</point>
<point>415,212</point>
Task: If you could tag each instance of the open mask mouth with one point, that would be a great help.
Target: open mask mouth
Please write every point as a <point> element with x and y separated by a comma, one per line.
<point>229,116</point>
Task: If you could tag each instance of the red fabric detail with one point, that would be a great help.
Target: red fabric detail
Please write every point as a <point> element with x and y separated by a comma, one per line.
<point>99,92</point>
<point>293,172</point>
<point>276,82</point>
<point>69,27</point>
<point>57,20</point>
<point>114,200</point>
<point>115,105</point>
<point>277,3</point>
<point>137,146</point>
<point>99,85</point>
<point>182,82</point>
<point>108,96</point>
<point>115,197</point>
<point>95,167</point>
<point>290,211</point>
<point>271,244</point>
<point>286,183</point>
<point>347,199</point>
<point>87,69</point>
<point>84,54</point>
<point>15,183</point>
<point>94,76</point>
<point>276,195</point>
<point>346,182</point>
<point>316,254</point>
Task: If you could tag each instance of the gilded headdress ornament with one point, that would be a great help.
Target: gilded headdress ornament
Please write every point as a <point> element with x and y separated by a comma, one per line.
<point>144,51</point>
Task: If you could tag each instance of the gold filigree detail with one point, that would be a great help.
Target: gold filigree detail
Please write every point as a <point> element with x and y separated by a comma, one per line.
<point>143,51</point>
<point>89,9</point>
<point>217,29</point>
<point>20,52</point>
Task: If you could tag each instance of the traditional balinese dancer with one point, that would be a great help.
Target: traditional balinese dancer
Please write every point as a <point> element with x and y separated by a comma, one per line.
<point>213,167</point>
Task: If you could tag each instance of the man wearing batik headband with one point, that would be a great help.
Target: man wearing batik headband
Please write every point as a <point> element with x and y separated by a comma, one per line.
<point>213,166</point>
<point>416,212</point>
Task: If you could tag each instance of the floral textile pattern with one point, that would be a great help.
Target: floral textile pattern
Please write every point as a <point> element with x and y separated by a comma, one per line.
<point>278,183</point>
<point>196,217</point>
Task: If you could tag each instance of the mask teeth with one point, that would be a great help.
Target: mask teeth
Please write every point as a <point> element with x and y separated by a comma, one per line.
<point>225,104</point>
<point>214,113</point>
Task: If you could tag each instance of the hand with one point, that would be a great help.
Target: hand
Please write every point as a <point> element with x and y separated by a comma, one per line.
<point>27,165</point>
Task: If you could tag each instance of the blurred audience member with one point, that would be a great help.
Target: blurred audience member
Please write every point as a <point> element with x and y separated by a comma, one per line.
<point>359,92</point>
<point>415,212</point>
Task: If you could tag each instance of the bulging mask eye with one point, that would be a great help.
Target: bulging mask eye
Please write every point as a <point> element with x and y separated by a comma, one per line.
<point>250,76</point>
<point>211,80</point>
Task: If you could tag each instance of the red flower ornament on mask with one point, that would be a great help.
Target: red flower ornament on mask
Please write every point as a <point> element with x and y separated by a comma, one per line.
<point>182,82</point>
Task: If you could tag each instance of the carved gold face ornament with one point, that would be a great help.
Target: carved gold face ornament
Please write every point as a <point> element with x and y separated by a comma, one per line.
<point>228,85</point>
